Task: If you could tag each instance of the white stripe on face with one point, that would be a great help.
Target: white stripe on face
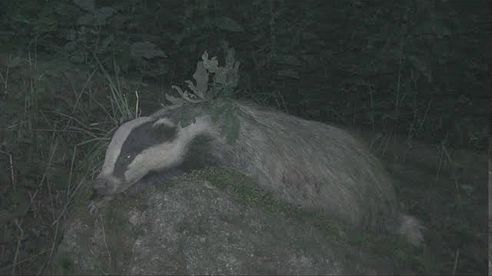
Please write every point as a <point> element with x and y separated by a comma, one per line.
<point>164,121</point>
<point>117,141</point>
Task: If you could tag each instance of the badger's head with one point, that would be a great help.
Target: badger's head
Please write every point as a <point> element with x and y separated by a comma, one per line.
<point>144,145</point>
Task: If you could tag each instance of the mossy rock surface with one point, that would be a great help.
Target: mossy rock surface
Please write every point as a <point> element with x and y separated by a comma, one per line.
<point>211,221</point>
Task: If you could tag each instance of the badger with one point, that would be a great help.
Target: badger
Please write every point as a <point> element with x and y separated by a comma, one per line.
<point>309,164</point>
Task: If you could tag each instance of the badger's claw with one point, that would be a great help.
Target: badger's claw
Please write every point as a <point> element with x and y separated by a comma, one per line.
<point>92,207</point>
<point>96,204</point>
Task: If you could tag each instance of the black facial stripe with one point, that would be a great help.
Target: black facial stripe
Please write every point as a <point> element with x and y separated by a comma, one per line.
<point>141,138</point>
<point>198,156</point>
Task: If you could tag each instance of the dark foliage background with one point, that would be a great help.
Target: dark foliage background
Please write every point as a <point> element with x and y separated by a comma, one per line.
<point>417,68</point>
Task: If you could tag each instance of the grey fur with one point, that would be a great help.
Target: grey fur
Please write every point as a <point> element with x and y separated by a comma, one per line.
<point>306,163</point>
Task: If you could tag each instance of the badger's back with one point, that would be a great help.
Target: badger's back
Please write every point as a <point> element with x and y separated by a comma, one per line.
<point>312,165</point>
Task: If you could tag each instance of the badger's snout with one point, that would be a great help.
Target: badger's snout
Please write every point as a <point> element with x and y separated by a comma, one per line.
<point>105,185</point>
<point>102,191</point>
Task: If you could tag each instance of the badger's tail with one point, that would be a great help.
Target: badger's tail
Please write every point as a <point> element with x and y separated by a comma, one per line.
<point>411,229</point>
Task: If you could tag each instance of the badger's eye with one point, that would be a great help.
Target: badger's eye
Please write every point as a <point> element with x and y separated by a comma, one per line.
<point>128,157</point>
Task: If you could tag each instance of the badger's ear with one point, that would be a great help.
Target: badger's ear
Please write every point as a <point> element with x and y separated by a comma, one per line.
<point>164,128</point>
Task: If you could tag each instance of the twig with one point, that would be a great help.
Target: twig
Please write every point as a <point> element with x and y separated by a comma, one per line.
<point>105,240</point>
<point>17,248</point>
<point>43,177</point>
<point>69,201</point>
<point>24,260</point>
<point>70,174</point>
<point>11,165</point>
<point>455,265</point>
<point>137,104</point>
<point>52,249</point>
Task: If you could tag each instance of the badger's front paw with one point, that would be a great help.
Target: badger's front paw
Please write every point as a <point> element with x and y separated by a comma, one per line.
<point>97,203</point>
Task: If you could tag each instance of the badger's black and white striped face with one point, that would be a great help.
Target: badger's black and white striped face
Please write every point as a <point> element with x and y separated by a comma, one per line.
<point>141,146</point>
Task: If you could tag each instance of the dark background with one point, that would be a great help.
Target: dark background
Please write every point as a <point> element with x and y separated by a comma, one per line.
<point>416,68</point>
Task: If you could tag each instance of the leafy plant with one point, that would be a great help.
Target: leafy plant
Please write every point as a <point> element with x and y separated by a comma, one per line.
<point>224,80</point>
